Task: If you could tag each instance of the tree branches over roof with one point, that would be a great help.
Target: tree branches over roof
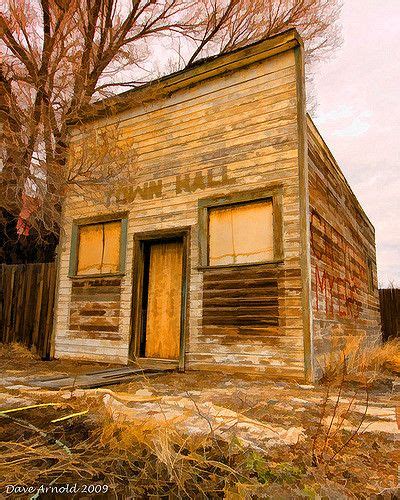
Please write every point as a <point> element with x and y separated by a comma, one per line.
<point>60,55</point>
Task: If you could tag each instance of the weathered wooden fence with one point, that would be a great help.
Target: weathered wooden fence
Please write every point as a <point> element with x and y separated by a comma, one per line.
<point>26,305</point>
<point>390,312</point>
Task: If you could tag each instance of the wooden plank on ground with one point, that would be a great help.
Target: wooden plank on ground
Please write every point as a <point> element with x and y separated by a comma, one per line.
<point>96,379</point>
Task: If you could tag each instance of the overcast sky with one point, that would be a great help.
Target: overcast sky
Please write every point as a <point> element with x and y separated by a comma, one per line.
<point>358,115</point>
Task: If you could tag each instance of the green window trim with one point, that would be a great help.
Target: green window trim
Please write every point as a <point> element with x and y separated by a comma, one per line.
<point>73,260</point>
<point>272,193</point>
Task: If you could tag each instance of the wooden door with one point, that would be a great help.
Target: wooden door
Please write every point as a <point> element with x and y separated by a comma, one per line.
<point>164,301</point>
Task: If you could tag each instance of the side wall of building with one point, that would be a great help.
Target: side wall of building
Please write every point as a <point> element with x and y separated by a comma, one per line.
<point>233,133</point>
<point>345,302</point>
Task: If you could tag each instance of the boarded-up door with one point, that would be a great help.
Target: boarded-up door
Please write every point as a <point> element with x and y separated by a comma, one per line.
<point>163,319</point>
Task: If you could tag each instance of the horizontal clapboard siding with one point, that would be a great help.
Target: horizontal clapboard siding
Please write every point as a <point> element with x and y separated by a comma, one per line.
<point>345,300</point>
<point>245,122</point>
<point>240,298</point>
<point>95,308</point>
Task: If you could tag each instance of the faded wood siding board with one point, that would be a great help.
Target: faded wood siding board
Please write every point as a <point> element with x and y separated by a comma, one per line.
<point>342,243</point>
<point>246,123</point>
<point>189,148</point>
<point>198,92</point>
<point>277,109</point>
<point>196,113</point>
<point>95,308</point>
<point>217,314</point>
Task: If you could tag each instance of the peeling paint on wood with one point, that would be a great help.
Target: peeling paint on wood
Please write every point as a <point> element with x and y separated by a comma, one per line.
<point>343,260</point>
<point>95,309</point>
<point>237,135</point>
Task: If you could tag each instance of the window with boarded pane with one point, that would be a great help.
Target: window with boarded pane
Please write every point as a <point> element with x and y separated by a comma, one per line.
<point>99,248</point>
<point>241,233</point>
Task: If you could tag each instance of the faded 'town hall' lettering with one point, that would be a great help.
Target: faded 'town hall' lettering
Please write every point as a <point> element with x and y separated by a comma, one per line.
<point>189,183</point>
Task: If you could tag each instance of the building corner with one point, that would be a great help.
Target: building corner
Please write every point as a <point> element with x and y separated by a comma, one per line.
<point>305,252</point>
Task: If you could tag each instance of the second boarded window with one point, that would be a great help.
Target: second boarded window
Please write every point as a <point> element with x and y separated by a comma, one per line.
<point>241,233</point>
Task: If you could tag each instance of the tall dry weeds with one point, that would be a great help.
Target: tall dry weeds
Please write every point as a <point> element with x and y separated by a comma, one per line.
<point>361,362</point>
<point>127,457</point>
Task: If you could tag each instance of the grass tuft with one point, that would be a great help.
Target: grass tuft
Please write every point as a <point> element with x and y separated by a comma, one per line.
<point>357,361</point>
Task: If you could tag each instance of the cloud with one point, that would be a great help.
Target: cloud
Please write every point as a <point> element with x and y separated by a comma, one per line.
<point>358,126</point>
<point>346,121</point>
<point>335,114</point>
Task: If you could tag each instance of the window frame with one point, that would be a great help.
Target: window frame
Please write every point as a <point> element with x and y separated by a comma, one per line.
<point>270,193</point>
<point>76,224</point>
<point>370,275</point>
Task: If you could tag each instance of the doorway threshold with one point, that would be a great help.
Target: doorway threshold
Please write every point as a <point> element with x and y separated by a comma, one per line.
<point>157,364</point>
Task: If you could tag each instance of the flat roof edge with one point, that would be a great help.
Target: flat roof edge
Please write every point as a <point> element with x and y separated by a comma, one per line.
<point>199,71</point>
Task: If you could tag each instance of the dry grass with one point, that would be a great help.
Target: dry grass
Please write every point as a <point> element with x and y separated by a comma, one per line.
<point>16,351</point>
<point>18,359</point>
<point>142,462</point>
<point>126,457</point>
<point>355,360</point>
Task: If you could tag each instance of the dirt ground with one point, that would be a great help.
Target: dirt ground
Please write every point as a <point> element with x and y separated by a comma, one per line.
<point>244,436</point>
<point>16,361</point>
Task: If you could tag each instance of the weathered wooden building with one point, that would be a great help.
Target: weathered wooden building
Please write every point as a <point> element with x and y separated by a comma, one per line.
<point>238,245</point>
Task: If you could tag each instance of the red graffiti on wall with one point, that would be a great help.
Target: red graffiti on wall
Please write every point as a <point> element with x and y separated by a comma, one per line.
<point>339,271</point>
<point>340,295</point>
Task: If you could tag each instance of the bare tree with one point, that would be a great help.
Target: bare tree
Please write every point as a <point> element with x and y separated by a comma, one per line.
<point>58,56</point>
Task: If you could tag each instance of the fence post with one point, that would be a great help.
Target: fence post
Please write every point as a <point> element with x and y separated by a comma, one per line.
<point>26,305</point>
<point>389,299</point>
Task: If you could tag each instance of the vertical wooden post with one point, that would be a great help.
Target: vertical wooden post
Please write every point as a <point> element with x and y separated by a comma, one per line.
<point>38,306</point>
<point>305,257</point>
<point>52,333</point>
